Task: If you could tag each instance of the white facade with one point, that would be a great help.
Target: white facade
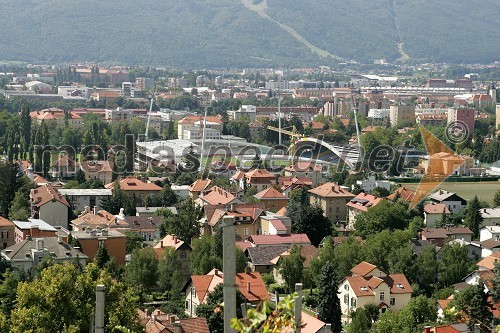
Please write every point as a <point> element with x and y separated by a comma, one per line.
<point>378,113</point>
<point>249,111</point>
<point>196,133</point>
<point>81,198</point>
<point>491,216</point>
<point>370,184</point>
<point>489,232</point>
<point>74,91</point>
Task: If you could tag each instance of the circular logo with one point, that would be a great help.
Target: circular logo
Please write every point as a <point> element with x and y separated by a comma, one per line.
<point>457,132</point>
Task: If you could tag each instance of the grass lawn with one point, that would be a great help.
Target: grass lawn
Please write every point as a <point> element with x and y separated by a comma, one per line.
<point>484,190</point>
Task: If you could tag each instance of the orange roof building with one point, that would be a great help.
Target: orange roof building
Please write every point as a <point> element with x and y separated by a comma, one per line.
<point>93,219</point>
<point>332,199</point>
<point>273,199</point>
<point>49,205</point>
<point>369,284</point>
<point>135,187</point>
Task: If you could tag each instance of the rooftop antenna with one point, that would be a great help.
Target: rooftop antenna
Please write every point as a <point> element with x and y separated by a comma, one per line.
<point>149,114</point>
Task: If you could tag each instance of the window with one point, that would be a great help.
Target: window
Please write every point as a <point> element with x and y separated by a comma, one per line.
<point>187,305</point>
<point>183,255</point>
<point>245,231</point>
<point>346,286</point>
<point>337,208</point>
<point>346,299</point>
<point>382,295</point>
<point>393,301</point>
<point>353,302</point>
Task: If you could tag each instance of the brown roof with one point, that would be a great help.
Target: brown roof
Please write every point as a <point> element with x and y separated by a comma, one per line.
<point>200,185</point>
<point>281,212</point>
<point>436,208</point>
<point>250,211</point>
<point>238,175</point>
<point>134,184</point>
<point>97,166</point>
<point>143,222</point>
<point>489,261</point>
<point>308,252</point>
<point>363,201</point>
<point>218,196</point>
<point>260,173</point>
<point>442,233</point>
<point>363,286</point>
<point>42,195</point>
<point>363,268</point>
<point>102,219</point>
<point>279,239</point>
<point>5,223</point>
<point>402,193</point>
<point>330,190</point>
<point>64,161</point>
<point>270,193</point>
<point>490,243</point>
<point>194,119</point>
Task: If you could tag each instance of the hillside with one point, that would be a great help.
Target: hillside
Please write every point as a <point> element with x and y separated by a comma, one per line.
<point>248,33</point>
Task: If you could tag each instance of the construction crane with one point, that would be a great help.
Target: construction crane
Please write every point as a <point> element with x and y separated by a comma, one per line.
<point>293,133</point>
<point>149,113</point>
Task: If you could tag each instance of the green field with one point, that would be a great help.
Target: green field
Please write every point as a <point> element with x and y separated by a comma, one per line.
<point>484,191</point>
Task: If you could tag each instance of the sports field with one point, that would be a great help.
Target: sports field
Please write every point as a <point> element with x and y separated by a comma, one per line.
<point>484,190</point>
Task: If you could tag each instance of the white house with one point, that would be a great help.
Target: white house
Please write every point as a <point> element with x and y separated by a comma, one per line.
<point>491,216</point>
<point>79,198</point>
<point>454,202</point>
<point>433,213</point>
<point>368,284</point>
<point>370,184</point>
<point>489,232</point>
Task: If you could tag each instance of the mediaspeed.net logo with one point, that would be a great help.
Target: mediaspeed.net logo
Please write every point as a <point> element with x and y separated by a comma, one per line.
<point>443,161</point>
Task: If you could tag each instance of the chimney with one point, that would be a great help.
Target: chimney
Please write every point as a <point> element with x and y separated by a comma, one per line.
<point>172,319</point>
<point>176,240</point>
<point>328,328</point>
<point>427,329</point>
<point>216,272</point>
<point>99,308</point>
<point>59,239</point>
<point>248,287</point>
<point>95,210</point>
<point>39,244</point>
<point>161,242</point>
<point>178,327</point>
<point>146,313</point>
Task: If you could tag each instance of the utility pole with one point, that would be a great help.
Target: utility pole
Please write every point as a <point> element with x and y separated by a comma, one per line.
<point>229,269</point>
<point>99,308</point>
<point>298,308</point>
<point>279,116</point>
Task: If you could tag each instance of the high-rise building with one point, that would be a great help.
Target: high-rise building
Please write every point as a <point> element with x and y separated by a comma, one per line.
<point>402,115</point>
<point>462,116</point>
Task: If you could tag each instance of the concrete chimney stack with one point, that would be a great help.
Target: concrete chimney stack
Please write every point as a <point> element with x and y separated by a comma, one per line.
<point>99,308</point>
<point>298,307</point>
<point>229,267</point>
<point>248,287</point>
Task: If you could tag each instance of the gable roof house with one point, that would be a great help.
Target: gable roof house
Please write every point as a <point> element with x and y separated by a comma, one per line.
<point>64,168</point>
<point>332,198</point>
<point>453,201</point>
<point>246,217</point>
<point>49,205</point>
<point>308,252</point>
<point>433,213</point>
<point>369,284</point>
<point>92,219</point>
<point>27,254</point>
<point>438,236</point>
<point>100,170</point>
<point>260,258</point>
<point>273,199</point>
<point>144,226</point>
<point>199,186</point>
<point>216,196</point>
<point>135,187</point>
<point>306,169</point>
<point>182,249</point>
<point>197,288</point>
<point>361,203</point>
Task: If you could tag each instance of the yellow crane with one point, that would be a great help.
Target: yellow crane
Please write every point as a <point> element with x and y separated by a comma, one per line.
<point>293,133</point>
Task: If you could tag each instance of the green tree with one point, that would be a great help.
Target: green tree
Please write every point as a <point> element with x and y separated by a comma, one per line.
<point>213,309</point>
<point>383,216</point>
<point>25,129</point>
<point>80,176</point>
<point>134,241</point>
<point>291,268</point>
<point>426,267</point>
<point>241,261</point>
<point>8,291</point>
<point>11,181</point>
<point>102,256</point>
<point>298,199</point>
<point>328,308</point>
<point>204,256</point>
<point>360,322</point>
<point>473,218</point>
<point>169,265</point>
<point>473,303</point>
<point>495,291</point>
<point>347,255</point>
<point>168,196</point>
<point>185,224</point>
<point>420,311</point>
<point>496,199</point>
<point>453,264</point>
<point>311,221</point>
<point>62,299</point>
<point>142,271</point>
<point>20,208</point>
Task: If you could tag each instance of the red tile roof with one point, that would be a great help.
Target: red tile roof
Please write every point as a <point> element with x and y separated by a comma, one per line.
<point>260,173</point>
<point>303,167</point>
<point>218,196</point>
<point>434,208</point>
<point>270,193</point>
<point>5,223</point>
<point>363,268</point>
<point>134,184</point>
<point>46,193</point>
<point>330,190</point>
<point>363,201</point>
<point>194,119</point>
<point>101,219</point>
<point>402,193</point>
<point>200,185</point>
<point>279,239</point>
